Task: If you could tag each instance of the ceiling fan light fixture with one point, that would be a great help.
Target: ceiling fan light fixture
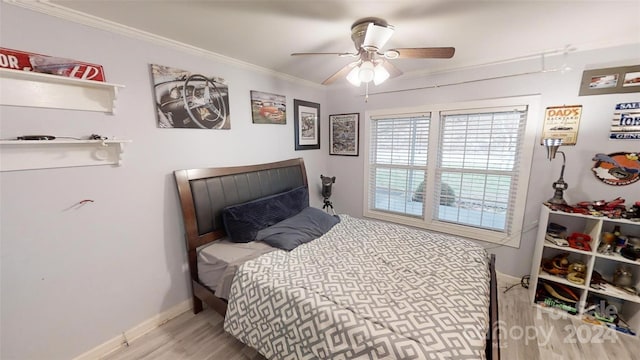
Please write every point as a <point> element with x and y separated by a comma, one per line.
<point>367,72</point>
<point>353,76</point>
<point>380,74</point>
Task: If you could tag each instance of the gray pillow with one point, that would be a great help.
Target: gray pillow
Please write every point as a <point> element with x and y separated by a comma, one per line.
<point>242,221</point>
<point>307,225</point>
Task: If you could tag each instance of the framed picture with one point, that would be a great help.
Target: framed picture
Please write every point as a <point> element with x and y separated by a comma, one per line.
<point>343,134</point>
<point>190,100</point>
<point>616,80</point>
<point>268,108</point>
<point>306,124</point>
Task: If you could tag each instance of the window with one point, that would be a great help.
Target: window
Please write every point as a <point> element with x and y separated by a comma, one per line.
<point>400,162</point>
<point>460,168</point>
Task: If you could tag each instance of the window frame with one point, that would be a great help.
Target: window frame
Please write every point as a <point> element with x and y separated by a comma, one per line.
<point>513,236</point>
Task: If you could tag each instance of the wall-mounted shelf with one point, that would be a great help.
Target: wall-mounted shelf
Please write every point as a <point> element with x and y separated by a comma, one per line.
<point>26,88</point>
<point>45,154</point>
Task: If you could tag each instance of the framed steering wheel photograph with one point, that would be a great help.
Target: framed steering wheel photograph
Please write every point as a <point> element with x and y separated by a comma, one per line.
<point>186,100</point>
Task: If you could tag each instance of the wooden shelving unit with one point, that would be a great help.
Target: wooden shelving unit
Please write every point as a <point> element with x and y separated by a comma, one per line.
<point>627,304</point>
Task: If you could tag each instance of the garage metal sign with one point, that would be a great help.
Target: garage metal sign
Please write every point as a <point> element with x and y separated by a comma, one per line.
<point>625,124</point>
<point>27,61</point>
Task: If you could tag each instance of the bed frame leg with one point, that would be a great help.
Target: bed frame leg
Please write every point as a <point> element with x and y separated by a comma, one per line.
<point>197,304</point>
<point>493,341</point>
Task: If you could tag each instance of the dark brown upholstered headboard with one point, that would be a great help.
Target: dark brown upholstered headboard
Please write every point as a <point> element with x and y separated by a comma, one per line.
<point>205,192</point>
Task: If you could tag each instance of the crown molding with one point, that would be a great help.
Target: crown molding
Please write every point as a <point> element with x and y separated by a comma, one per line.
<point>48,8</point>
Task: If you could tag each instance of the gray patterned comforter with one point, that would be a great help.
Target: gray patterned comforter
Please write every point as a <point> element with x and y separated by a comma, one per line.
<point>365,290</point>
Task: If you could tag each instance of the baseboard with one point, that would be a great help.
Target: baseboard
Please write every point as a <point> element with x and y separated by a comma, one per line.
<point>135,332</point>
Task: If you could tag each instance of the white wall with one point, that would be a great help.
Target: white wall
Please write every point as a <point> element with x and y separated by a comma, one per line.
<point>73,278</point>
<point>555,89</point>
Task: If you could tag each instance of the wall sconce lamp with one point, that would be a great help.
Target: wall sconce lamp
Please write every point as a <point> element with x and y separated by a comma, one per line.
<point>559,186</point>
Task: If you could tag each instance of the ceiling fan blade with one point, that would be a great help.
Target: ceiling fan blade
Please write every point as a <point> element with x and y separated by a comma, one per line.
<point>376,36</point>
<point>392,69</point>
<point>325,53</point>
<point>340,73</point>
<point>423,53</point>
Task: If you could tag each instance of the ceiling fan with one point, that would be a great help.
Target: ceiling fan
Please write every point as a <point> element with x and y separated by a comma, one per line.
<point>369,35</point>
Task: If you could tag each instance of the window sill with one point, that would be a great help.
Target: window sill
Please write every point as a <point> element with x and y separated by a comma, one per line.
<point>473,233</point>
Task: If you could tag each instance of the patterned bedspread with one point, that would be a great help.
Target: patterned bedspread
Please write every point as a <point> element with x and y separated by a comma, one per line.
<point>365,290</point>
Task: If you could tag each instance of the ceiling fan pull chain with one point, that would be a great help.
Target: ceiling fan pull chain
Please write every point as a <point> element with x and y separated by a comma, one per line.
<point>366,92</point>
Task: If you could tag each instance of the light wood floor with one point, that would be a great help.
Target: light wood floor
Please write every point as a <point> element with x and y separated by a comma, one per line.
<point>526,334</point>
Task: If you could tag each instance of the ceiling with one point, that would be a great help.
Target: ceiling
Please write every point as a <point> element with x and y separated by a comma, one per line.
<point>265,33</point>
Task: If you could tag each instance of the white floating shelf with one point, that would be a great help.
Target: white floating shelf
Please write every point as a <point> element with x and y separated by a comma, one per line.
<point>46,154</point>
<point>26,88</point>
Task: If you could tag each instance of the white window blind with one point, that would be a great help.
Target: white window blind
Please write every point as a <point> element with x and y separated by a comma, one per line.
<point>456,168</point>
<point>398,162</point>
<point>478,165</point>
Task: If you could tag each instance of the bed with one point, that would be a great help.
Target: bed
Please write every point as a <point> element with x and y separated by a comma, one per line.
<point>359,289</point>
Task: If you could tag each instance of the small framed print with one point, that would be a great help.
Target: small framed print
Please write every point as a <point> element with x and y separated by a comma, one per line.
<point>617,80</point>
<point>344,134</point>
<point>306,124</point>
<point>268,108</point>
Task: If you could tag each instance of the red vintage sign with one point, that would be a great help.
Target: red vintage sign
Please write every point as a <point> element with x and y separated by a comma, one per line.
<point>26,61</point>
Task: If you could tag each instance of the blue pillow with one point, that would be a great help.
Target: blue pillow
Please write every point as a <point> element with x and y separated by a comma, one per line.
<point>309,224</point>
<point>243,221</point>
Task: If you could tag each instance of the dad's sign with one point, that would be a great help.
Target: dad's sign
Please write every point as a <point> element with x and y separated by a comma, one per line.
<point>562,122</point>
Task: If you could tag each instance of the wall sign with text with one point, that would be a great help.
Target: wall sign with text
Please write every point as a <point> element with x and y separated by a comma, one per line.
<point>621,168</point>
<point>562,122</point>
<point>625,124</point>
<point>27,61</point>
